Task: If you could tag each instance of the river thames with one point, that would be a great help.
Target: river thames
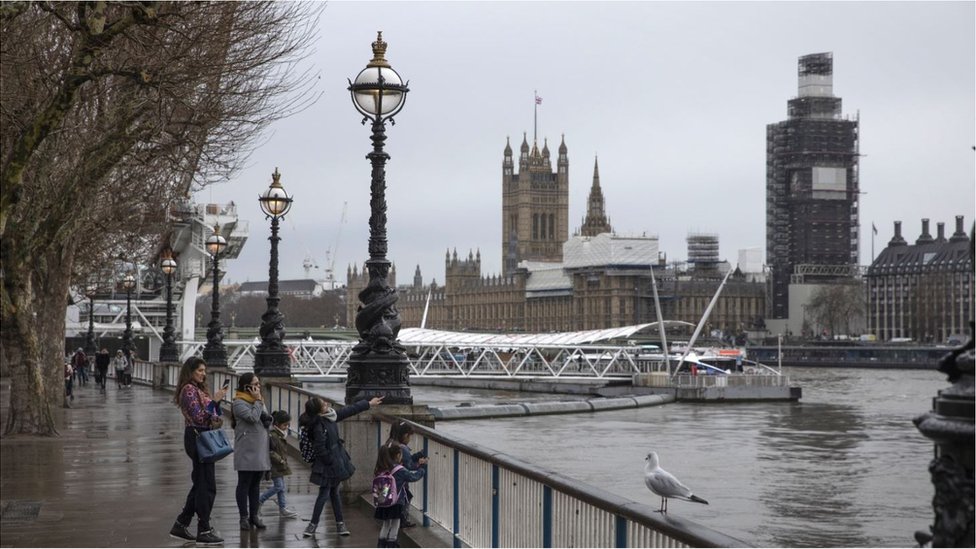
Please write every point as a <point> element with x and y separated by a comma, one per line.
<point>844,467</point>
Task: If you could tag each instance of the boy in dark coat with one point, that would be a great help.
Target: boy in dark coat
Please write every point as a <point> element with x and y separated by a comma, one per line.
<point>279,463</point>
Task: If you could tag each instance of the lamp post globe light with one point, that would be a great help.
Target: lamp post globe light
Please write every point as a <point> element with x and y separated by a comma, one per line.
<point>90,291</point>
<point>168,351</point>
<point>378,365</point>
<point>214,352</point>
<point>271,358</point>
<point>128,346</point>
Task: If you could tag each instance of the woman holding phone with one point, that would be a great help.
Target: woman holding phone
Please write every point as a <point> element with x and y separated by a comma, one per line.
<point>200,413</point>
<point>252,455</point>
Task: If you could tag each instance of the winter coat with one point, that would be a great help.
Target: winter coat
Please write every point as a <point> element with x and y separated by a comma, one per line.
<point>330,455</point>
<point>251,447</point>
<point>279,456</point>
<point>102,360</point>
<point>119,362</point>
<point>405,476</point>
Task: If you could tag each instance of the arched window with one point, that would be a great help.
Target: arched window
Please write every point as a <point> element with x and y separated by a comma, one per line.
<point>542,227</point>
<point>535,226</point>
<point>552,226</point>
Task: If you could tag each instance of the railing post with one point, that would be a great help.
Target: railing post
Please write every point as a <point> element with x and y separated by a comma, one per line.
<point>546,516</point>
<point>494,505</point>
<point>457,498</point>
<point>620,531</point>
<point>423,503</point>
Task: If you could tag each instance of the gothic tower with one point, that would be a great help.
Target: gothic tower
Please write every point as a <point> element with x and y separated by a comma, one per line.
<point>596,221</point>
<point>535,205</point>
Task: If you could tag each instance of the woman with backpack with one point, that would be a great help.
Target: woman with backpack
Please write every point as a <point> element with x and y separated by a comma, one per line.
<point>390,491</point>
<point>331,463</point>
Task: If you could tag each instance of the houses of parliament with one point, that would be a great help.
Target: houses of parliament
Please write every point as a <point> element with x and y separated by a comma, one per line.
<point>552,281</point>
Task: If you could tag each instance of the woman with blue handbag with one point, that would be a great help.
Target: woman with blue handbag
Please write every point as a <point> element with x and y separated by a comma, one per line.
<point>200,413</point>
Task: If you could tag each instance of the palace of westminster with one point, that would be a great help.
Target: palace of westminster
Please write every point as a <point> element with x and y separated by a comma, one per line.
<point>596,278</point>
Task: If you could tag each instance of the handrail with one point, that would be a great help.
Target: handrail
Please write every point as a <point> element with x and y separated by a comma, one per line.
<point>681,530</point>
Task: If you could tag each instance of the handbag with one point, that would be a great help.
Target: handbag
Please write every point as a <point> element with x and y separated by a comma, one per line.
<point>212,446</point>
<point>342,466</point>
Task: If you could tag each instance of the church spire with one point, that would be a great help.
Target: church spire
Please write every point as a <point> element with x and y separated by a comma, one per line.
<point>596,221</point>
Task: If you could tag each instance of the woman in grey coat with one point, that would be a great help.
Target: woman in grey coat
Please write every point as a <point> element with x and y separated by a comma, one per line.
<point>252,456</point>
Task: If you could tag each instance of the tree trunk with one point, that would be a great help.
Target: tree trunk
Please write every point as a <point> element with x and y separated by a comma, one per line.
<point>30,410</point>
<point>50,298</point>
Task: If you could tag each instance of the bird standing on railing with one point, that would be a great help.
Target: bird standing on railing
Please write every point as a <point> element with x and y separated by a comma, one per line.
<point>665,484</point>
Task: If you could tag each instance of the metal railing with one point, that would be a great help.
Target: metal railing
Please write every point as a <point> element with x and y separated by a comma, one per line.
<point>489,499</point>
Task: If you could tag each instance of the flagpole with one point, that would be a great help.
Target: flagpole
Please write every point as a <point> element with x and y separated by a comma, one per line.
<point>535,115</point>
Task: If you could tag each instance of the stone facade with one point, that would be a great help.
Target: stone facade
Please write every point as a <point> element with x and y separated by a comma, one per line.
<point>923,291</point>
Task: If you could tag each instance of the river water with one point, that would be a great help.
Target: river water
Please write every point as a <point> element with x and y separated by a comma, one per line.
<point>844,467</point>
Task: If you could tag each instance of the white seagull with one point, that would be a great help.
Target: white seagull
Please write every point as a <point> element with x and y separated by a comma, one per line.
<point>665,485</point>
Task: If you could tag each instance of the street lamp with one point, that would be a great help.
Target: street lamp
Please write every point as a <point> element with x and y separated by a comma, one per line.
<point>90,291</point>
<point>214,352</point>
<point>378,365</point>
<point>271,358</point>
<point>128,346</point>
<point>168,351</point>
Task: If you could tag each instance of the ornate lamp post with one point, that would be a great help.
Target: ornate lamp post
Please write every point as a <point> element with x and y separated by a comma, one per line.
<point>271,357</point>
<point>168,351</point>
<point>214,352</point>
<point>90,348</point>
<point>378,365</point>
<point>128,346</point>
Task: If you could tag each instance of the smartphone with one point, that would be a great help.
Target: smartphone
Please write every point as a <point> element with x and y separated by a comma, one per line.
<point>227,383</point>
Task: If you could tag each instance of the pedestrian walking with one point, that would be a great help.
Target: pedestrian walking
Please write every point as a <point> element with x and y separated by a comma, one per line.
<point>68,390</point>
<point>102,360</point>
<point>118,364</point>
<point>200,413</point>
<point>251,447</point>
<point>279,464</point>
<point>388,464</point>
<point>79,363</point>
<point>130,358</point>
<point>332,464</point>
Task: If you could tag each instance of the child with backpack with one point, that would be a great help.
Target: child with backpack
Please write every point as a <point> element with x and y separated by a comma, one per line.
<point>279,463</point>
<point>390,491</point>
<point>400,434</point>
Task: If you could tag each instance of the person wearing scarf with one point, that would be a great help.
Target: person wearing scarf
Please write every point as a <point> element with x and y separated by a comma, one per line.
<point>252,455</point>
<point>332,464</point>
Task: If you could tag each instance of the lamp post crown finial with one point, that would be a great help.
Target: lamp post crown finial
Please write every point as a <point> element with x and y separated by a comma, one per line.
<point>379,52</point>
<point>276,178</point>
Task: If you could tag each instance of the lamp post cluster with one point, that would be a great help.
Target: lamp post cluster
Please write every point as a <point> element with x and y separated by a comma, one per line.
<point>168,352</point>
<point>214,351</point>
<point>271,357</point>
<point>378,365</point>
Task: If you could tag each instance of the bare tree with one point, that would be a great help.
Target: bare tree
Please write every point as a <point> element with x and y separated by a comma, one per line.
<point>109,113</point>
<point>836,306</point>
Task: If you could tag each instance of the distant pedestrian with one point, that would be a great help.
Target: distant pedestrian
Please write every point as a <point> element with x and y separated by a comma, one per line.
<point>279,463</point>
<point>68,392</point>
<point>79,363</point>
<point>102,360</point>
<point>251,447</point>
<point>118,364</point>
<point>388,461</point>
<point>200,413</point>
<point>331,465</point>
<point>130,358</point>
<point>400,434</point>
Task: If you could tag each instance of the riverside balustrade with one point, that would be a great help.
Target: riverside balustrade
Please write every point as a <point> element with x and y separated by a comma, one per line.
<point>484,498</point>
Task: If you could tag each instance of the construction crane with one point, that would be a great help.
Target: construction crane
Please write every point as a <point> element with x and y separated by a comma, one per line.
<point>309,263</point>
<point>330,255</point>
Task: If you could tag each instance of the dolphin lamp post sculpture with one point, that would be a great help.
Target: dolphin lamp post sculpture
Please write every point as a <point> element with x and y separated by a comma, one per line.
<point>271,357</point>
<point>168,351</point>
<point>378,365</point>
<point>214,353</point>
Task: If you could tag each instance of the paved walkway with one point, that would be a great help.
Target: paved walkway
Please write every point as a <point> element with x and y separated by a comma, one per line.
<point>117,477</point>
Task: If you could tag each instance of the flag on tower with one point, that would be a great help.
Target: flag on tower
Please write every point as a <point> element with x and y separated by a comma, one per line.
<point>538,100</point>
<point>873,228</point>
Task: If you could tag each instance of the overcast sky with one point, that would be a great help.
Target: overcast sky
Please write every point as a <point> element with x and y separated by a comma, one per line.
<point>673,97</point>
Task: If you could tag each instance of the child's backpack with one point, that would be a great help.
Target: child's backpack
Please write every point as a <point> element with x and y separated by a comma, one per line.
<point>385,493</point>
<point>305,446</point>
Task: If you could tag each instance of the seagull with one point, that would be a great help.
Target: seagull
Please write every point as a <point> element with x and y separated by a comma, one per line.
<point>665,485</point>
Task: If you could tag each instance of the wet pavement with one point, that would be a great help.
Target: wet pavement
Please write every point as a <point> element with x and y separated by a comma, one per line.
<point>117,477</point>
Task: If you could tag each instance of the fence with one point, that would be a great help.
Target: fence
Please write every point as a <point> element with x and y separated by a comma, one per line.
<point>489,499</point>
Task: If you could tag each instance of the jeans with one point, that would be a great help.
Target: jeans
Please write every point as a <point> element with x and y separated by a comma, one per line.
<point>202,494</point>
<point>330,493</point>
<point>248,491</point>
<point>277,488</point>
